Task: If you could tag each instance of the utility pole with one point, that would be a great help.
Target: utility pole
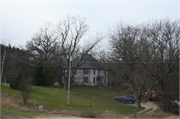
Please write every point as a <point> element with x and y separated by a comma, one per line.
<point>69,77</point>
<point>3,63</point>
<point>179,75</point>
<point>0,63</point>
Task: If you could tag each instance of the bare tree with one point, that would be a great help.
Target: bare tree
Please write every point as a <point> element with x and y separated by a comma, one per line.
<point>150,53</point>
<point>124,65</point>
<point>43,45</point>
<point>162,63</point>
<point>41,49</point>
<point>70,33</point>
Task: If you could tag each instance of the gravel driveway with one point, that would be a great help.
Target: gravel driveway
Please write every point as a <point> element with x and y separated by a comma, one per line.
<point>149,105</point>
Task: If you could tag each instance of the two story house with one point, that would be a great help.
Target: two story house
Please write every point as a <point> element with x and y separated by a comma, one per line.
<point>89,72</point>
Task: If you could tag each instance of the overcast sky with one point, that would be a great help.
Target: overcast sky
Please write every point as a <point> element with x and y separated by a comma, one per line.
<point>20,20</point>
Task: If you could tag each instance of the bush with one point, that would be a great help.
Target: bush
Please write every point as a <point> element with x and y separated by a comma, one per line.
<point>16,80</point>
<point>26,89</point>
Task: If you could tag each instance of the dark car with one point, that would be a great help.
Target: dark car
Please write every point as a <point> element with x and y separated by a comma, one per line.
<point>127,98</point>
<point>175,103</point>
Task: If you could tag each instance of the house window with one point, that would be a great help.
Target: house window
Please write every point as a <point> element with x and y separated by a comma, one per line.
<point>105,73</point>
<point>85,71</point>
<point>94,80</point>
<point>98,72</point>
<point>65,71</point>
<point>85,80</point>
<point>94,71</point>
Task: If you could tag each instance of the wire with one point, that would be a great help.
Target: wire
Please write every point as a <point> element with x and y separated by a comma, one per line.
<point>30,63</point>
<point>20,60</point>
<point>88,62</point>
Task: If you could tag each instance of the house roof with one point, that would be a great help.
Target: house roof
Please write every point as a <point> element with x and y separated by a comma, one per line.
<point>87,61</point>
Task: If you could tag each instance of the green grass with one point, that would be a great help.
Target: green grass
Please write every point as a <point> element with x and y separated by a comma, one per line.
<point>102,99</point>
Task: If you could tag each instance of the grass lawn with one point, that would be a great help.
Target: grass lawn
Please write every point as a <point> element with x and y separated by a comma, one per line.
<point>101,99</point>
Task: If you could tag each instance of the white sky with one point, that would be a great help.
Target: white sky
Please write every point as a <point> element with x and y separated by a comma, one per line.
<point>20,20</point>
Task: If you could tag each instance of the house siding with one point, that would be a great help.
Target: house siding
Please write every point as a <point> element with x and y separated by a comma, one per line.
<point>79,76</point>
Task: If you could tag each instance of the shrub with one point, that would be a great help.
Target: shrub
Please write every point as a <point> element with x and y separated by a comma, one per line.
<point>26,89</point>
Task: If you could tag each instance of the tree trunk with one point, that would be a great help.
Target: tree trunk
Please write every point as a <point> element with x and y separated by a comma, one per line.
<point>166,102</point>
<point>139,101</point>
<point>139,96</point>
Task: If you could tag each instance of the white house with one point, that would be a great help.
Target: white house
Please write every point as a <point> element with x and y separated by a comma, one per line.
<point>89,72</point>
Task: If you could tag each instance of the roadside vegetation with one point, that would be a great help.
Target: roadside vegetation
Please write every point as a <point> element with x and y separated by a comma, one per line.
<point>54,101</point>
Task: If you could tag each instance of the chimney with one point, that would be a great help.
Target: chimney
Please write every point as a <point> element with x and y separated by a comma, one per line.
<point>80,55</point>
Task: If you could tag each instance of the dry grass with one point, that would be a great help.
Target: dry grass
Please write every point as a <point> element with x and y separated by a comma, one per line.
<point>10,102</point>
<point>158,114</point>
<point>15,102</point>
<point>96,114</point>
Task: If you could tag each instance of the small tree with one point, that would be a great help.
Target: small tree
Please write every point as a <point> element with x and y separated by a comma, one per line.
<point>19,83</point>
<point>16,80</point>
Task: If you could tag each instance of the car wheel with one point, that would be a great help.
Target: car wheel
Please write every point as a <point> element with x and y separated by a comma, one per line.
<point>119,100</point>
<point>130,102</point>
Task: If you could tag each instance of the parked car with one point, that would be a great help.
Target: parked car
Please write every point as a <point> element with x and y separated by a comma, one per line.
<point>127,98</point>
<point>175,104</point>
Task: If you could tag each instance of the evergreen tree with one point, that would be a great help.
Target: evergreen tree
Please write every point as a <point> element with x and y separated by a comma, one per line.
<point>42,76</point>
<point>48,76</point>
<point>17,80</point>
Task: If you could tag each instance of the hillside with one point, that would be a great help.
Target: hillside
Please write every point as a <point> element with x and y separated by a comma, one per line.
<point>84,101</point>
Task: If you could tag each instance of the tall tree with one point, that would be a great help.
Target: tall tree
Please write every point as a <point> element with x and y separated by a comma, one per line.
<point>162,63</point>
<point>70,34</point>
<point>126,67</point>
<point>41,50</point>
<point>147,54</point>
<point>43,45</point>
